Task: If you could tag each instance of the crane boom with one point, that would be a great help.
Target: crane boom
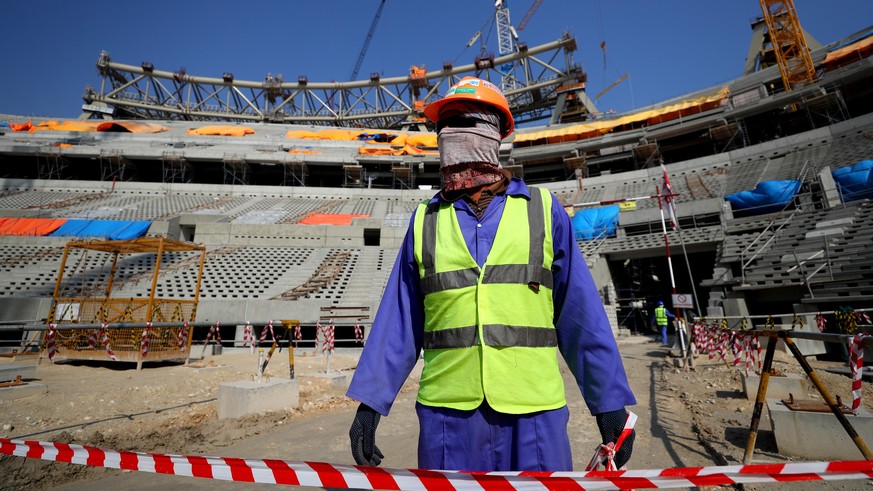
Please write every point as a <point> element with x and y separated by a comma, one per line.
<point>366,45</point>
<point>529,14</point>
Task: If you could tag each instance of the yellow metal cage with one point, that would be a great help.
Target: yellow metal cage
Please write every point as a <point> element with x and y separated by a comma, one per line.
<point>87,294</point>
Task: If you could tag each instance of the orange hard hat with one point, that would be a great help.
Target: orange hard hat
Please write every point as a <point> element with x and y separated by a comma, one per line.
<point>476,90</point>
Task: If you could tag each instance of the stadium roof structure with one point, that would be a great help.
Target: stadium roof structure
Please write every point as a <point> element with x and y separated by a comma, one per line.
<point>143,92</point>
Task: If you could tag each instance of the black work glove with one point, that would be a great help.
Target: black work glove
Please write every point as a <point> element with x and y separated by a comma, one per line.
<point>363,436</point>
<point>611,425</point>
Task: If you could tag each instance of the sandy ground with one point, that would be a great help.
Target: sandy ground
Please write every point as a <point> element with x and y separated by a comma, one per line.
<point>686,418</point>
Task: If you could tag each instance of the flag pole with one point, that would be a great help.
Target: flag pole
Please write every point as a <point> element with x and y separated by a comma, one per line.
<point>679,334</point>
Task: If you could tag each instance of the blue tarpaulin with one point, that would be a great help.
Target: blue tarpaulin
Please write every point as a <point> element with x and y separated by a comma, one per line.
<point>855,182</point>
<point>590,223</point>
<point>105,229</point>
<point>767,197</point>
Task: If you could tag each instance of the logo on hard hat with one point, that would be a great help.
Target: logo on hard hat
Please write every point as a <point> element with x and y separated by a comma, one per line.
<point>472,81</point>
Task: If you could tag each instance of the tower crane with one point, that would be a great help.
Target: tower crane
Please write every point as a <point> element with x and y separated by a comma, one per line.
<point>789,44</point>
<point>366,45</point>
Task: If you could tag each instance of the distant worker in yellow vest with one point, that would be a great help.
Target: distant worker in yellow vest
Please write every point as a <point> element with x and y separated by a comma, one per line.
<point>489,284</point>
<point>662,319</point>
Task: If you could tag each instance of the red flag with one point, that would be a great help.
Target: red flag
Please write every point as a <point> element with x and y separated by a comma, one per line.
<point>667,191</point>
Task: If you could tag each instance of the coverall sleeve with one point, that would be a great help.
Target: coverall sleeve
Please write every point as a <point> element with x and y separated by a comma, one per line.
<point>394,341</point>
<point>585,337</point>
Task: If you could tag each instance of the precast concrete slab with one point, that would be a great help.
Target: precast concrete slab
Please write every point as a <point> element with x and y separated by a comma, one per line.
<point>817,436</point>
<point>237,399</point>
<point>778,387</point>
<point>9,372</point>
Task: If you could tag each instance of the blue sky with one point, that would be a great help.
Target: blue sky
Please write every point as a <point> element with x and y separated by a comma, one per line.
<point>669,47</point>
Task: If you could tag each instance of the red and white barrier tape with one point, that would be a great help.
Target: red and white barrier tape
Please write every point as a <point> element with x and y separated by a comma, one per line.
<point>145,339</point>
<point>607,451</point>
<point>50,344</point>
<point>320,474</point>
<point>856,361</point>
<point>359,333</point>
<point>106,342</point>
<point>268,328</point>
<point>329,332</point>
<point>183,337</point>
<point>820,322</point>
<point>216,331</point>
<point>248,338</point>
<point>298,335</point>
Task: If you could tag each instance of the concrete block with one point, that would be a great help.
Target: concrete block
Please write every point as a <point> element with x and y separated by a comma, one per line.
<point>777,387</point>
<point>817,436</point>
<point>9,372</point>
<point>237,399</point>
<point>338,381</point>
<point>20,391</point>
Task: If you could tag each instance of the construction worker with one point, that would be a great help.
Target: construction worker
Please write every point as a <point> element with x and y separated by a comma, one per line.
<point>661,319</point>
<point>490,284</point>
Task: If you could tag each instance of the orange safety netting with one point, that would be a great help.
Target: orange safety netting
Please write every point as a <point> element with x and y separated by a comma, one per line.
<point>306,152</point>
<point>406,150</point>
<point>29,226</point>
<point>853,52</point>
<point>222,131</point>
<point>590,129</point>
<point>330,219</point>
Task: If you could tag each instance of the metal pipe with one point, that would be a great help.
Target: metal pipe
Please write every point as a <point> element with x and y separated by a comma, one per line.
<point>760,398</point>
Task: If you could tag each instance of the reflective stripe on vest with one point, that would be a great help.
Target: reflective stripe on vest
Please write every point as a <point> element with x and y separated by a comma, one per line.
<point>508,304</point>
<point>661,316</point>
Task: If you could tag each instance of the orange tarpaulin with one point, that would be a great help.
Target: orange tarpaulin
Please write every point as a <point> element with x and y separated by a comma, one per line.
<point>132,127</point>
<point>330,219</point>
<point>384,150</point>
<point>222,131</point>
<point>414,139</point>
<point>21,127</point>
<point>853,52</point>
<point>122,126</point>
<point>307,152</point>
<point>589,129</point>
<point>29,226</point>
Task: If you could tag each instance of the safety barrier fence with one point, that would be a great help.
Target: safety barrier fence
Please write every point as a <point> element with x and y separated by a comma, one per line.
<point>288,333</point>
<point>848,321</point>
<point>337,476</point>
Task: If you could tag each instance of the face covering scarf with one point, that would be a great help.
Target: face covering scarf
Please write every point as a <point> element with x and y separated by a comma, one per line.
<point>468,146</point>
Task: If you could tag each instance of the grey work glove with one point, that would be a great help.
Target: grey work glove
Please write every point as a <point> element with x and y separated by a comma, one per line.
<point>611,425</point>
<point>363,436</point>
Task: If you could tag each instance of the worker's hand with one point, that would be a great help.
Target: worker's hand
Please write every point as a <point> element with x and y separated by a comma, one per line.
<point>611,425</point>
<point>363,436</point>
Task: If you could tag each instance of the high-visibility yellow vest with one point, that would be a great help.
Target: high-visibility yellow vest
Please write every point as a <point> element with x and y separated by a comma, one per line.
<point>661,316</point>
<point>489,332</point>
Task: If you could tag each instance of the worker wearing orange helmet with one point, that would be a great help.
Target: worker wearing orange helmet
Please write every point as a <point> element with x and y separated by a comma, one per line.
<point>489,285</point>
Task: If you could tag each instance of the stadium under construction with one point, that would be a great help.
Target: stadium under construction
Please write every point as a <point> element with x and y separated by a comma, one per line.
<point>301,191</point>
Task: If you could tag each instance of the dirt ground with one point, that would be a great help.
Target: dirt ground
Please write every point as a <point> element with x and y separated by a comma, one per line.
<point>693,417</point>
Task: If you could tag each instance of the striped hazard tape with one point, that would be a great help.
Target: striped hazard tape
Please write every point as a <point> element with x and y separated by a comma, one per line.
<point>326,475</point>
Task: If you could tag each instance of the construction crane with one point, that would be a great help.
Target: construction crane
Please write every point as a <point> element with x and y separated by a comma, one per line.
<point>366,45</point>
<point>789,44</point>
<point>527,15</point>
<point>612,85</point>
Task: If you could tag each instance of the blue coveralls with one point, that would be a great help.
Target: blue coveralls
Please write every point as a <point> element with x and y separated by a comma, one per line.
<point>483,439</point>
